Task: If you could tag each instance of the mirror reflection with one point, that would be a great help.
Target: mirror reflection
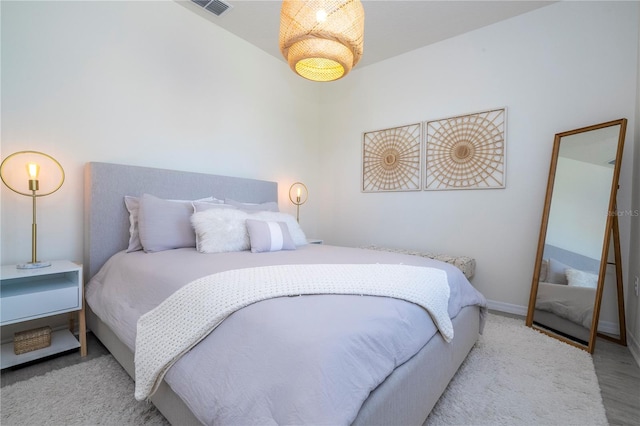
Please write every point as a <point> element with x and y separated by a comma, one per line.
<point>576,224</point>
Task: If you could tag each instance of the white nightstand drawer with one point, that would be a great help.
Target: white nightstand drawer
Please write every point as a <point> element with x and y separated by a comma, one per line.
<point>31,294</point>
<point>22,307</point>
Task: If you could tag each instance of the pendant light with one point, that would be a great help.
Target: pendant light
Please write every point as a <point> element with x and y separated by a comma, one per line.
<point>322,39</point>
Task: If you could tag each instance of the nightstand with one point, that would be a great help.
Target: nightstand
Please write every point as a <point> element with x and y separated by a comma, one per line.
<point>28,294</point>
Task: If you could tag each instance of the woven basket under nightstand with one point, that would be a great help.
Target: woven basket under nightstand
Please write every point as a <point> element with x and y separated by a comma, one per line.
<point>30,340</point>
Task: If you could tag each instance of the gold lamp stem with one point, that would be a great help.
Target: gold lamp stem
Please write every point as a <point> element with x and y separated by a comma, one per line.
<point>33,187</point>
<point>34,231</point>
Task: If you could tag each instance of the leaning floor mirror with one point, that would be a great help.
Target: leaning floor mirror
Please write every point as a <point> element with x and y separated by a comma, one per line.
<point>579,226</point>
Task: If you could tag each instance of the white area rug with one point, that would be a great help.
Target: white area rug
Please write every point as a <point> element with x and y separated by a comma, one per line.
<point>518,376</point>
<point>96,392</point>
<point>514,376</point>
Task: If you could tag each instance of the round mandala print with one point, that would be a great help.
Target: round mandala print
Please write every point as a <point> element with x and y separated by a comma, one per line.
<point>391,159</point>
<point>466,152</point>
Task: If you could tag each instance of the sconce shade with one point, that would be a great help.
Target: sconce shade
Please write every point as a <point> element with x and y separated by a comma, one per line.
<point>298,195</point>
<point>322,40</point>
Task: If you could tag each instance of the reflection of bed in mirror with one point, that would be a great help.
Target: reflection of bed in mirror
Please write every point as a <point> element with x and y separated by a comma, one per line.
<point>578,225</point>
<point>566,293</point>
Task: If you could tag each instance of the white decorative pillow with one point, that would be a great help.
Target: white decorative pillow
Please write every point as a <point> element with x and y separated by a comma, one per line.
<point>269,236</point>
<point>270,206</point>
<point>297,235</point>
<point>133,207</point>
<point>577,278</point>
<point>221,230</point>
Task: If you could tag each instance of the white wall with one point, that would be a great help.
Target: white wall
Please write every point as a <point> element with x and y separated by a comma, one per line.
<point>558,68</point>
<point>633,302</point>
<point>149,84</point>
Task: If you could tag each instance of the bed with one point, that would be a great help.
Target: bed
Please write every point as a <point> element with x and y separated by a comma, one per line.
<point>124,287</point>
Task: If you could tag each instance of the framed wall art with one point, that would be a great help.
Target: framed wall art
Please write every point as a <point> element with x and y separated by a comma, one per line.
<point>466,152</point>
<point>391,159</point>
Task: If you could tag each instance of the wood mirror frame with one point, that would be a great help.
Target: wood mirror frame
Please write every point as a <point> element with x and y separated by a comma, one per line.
<point>611,234</point>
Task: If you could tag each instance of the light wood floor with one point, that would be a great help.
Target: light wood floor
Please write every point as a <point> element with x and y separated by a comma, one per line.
<point>619,379</point>
<point>617,371</point>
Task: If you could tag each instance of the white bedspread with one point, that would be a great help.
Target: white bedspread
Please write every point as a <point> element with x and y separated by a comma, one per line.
<point>190,314</point>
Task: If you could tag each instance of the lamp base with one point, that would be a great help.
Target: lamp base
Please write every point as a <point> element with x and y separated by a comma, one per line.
<point>33,265</point>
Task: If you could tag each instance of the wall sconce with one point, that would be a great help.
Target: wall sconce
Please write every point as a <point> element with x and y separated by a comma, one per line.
<point>298,195</point>
<point>12,172</point>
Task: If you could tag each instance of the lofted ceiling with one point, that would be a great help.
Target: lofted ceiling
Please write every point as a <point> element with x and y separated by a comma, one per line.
<point>392,27</point>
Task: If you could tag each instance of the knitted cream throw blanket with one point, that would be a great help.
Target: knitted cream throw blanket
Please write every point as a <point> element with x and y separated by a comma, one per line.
<point>191,313</point>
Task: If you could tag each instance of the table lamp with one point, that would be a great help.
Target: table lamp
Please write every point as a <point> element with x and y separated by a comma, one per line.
<point>27,183</point>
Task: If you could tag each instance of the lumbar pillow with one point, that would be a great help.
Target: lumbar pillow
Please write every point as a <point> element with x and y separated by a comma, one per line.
<point>297,235</point>
<point>269,236</point>
<point>221,230</point>
<point>578,278</point>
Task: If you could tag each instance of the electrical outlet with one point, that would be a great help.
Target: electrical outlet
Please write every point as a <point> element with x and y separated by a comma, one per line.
<point>636,284</point>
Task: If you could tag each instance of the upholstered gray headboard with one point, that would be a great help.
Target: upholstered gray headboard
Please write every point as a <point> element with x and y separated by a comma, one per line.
<point>106,219</point>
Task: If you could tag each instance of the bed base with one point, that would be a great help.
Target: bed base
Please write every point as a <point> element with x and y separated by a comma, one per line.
<point>406,397</point>
<point>553,323</point>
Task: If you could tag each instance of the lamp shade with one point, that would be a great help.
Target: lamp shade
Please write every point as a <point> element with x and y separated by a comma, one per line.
<point>21,167</point>
<point>322,40</point>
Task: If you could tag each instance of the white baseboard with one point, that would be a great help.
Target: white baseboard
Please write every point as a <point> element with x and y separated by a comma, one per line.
<point>603,326</point>
<point>507,307</point>
<point>634,348</point>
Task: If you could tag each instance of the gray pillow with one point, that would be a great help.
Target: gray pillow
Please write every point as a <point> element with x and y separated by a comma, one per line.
<point>270,206</point>
<point>201,206</point>
<point>165,224</point>
<point>133,207</point>
<point>269,236</point>
<point>556,272</point>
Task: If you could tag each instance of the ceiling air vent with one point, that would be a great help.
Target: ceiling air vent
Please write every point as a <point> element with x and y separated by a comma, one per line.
<point>216,7</point>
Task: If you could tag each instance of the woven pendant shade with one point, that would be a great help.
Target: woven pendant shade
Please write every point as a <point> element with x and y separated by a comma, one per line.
<point>322,40</point>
